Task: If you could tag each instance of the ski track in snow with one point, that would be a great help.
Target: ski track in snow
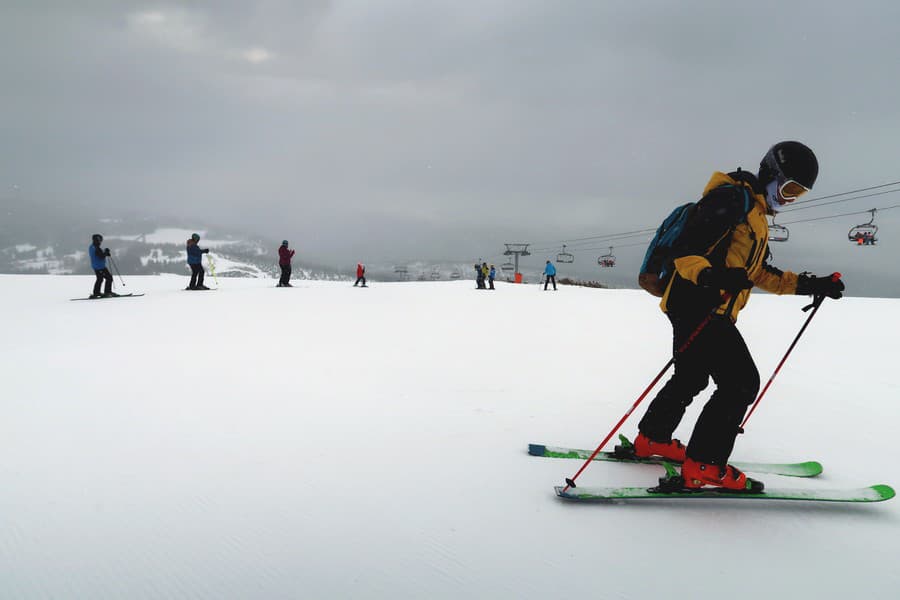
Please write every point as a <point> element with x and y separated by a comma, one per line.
<point>327,443</point>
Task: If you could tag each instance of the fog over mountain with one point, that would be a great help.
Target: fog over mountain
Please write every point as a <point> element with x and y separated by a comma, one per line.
<point>398,131</point>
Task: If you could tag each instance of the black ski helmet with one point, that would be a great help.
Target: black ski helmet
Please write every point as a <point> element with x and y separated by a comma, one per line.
<point>96,238</point>
<point>789,160</point>
<point>284,243</point>
<point>195,237</point>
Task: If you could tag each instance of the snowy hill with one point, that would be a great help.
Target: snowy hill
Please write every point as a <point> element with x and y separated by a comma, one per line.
<point>332,442</point>
<point>160,250</point>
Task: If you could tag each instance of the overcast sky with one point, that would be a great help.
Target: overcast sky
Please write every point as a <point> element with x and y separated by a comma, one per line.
<point>395,130</point>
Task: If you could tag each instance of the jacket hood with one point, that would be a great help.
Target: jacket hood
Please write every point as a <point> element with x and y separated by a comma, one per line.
<point>744,178</point>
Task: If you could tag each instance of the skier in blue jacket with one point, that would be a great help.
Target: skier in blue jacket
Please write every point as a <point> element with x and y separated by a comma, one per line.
<point>549,275</point>
<point>98,263</point>
<point>492,274</point>
<point>194,260</point>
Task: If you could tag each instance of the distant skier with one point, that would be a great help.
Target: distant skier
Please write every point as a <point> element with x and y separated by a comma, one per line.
<point>194,260</point>
<point>360,275</point>
<point>284,261</point>
<point>549,275</point>
<point>479,277</point>
<point>711,286</point>
<point>98,263</point>
<point>492,274</point>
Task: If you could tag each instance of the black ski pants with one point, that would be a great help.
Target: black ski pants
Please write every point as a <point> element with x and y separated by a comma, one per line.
<point>103,275</point>
<point>719,352</point>
<point>548,280</point>
<point>491,282</point>
<point>197,273</point>
<point>360,278</point>
<point>285,274</point>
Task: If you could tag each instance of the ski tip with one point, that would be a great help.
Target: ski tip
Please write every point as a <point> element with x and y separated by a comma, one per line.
<point>813,468</point>
<point>885,492</point>
<point>537,449</point>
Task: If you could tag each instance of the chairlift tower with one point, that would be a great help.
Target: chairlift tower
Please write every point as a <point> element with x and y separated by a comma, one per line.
<point>402,272</point>
<point>517,250</point>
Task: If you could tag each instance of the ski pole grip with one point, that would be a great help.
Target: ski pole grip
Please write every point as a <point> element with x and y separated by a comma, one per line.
<point>835,276</point>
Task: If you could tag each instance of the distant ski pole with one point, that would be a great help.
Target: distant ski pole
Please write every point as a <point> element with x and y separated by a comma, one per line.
<point>212,269</point>
<point>816,303</point>
<point>116,267</point>
<point>570,481</point>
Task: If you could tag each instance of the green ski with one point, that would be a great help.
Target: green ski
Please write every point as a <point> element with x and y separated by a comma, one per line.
<point>799,469</point>
<point>872,493</point>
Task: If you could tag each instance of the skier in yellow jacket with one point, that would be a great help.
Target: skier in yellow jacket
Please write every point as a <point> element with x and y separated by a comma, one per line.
<point>723,254</point>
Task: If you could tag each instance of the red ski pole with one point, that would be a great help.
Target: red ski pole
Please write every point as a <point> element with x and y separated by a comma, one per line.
<point>570,482</point>
<point>816,303</point>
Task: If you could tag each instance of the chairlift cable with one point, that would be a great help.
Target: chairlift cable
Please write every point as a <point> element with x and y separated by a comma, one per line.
<point>638,232</point>
<point>624,234</point>
<point>838,201</point>
<point>865,189</point>
<point>859,212</point>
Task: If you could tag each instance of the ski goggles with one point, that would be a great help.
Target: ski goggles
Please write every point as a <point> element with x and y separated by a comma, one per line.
<point>790,190</point>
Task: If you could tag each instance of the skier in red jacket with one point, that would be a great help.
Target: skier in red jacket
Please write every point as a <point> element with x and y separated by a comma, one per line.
<point>284,261</point>
<point>360,274</point>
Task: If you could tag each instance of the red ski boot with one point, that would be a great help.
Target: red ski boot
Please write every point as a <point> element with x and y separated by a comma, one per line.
<point>698,474</point>
<point>672,450</point>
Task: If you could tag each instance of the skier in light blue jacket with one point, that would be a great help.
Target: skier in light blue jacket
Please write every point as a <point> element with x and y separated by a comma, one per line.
<point>549,275</point>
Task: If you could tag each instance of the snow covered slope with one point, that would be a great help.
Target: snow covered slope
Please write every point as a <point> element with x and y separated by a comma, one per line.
<point>332,442</point>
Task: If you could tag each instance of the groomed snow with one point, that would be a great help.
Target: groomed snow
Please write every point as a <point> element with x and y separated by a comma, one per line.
<point>332,442</point>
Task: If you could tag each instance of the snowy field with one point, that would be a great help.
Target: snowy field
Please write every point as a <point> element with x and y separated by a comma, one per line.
<point>332,442</point>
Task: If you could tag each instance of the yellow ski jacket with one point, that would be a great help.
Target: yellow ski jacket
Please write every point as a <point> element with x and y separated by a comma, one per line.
<point>740,238</point>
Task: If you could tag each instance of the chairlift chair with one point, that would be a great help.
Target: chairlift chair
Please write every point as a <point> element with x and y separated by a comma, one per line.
<point>864,235</point>
<point>607,260</point>
<point>455,274</point>
<point>507,266</point>
<point>778,233</point>
<point>565,257</point>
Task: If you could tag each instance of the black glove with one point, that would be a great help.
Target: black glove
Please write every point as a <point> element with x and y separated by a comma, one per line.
<point>730,279</point>
<point>106,252</point>
<point>810,285</point>
<point>205,251</point>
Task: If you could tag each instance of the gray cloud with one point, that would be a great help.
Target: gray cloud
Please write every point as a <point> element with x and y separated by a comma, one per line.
<point>441,129</point>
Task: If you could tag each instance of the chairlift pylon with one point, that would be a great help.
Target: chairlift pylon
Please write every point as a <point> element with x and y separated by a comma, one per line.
<point>864,235</point>
<point>608,259</point>
<point>565,257</point>
<point>778,233</point>
<point>402,272</point>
